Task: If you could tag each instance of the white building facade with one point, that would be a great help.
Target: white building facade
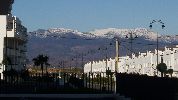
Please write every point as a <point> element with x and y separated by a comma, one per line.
<point>13,39</point>
<point>144,63</point>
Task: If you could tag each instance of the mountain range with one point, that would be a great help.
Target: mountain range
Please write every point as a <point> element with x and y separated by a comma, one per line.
<point>75,48</point>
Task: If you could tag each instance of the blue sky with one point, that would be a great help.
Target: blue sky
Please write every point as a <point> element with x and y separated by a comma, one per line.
<point>87,15</point>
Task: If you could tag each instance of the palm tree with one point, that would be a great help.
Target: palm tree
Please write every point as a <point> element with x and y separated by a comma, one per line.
<point>40,60</point>
<point>36,62</point>
<point>46,58</point>
<point>161,68</point>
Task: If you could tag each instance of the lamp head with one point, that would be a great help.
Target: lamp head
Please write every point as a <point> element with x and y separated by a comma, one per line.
<point>150,26</point>
<point>163,26</point>
<point>126,36</point>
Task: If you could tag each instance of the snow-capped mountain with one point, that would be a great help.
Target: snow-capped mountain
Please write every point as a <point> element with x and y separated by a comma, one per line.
<point>139,32</point>
<point>61,43</point>
<point>114,32</point>
<point>104,33</point>
<point>60,33</point>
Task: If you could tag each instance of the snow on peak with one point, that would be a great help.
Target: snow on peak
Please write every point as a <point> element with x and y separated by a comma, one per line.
<point>103,33</point>
<point>62,30</point>
<point>114,32</point>
<point>57,32</point>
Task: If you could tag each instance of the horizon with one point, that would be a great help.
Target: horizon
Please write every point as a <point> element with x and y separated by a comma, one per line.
<point>101,29</point>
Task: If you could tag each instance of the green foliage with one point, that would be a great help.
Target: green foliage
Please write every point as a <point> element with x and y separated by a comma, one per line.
<point>40,60</point>
<point>170,71</point>
<point>162,67</point>
<point>108,72</point>
<point>6,61</point>
<point>24,74</point>
<point>11,72</point>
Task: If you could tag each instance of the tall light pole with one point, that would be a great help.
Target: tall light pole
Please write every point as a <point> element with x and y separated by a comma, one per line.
<point>116,65</point>
<point>105,55</point>
<point>117,56</point>
<point>91,70</point>
<point>82,63</point>
<point>131,36</point>
<point>162,26</point>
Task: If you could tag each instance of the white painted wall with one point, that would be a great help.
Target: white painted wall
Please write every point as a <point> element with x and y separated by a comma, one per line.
<point>2,35</point>
<point>145,63</point>
<point>17,37</point>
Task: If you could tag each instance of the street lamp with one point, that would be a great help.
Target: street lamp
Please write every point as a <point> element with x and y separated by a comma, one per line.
<point>117,44</point>
<point>131,36</point>
<point>162,26</point>
<point>105,55</point>
<point>116,64</point>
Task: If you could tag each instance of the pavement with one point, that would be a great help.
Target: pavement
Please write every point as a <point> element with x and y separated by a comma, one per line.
<point>62,97</point>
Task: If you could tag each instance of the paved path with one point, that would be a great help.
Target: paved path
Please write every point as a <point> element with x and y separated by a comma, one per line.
<point>62,97</point>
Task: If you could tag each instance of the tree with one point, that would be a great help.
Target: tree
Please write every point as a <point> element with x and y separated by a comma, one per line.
<point>170,71</point>
<point>161,68</point>
<point>40,60</point>
<point>6,61</point>
<point>108,72</point>
<point>46,58</point>
<point>36,62</point>
<point>11,72</point>
<point>25,74</point>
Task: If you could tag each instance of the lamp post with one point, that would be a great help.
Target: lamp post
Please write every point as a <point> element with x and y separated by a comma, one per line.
<point>162,26</point>
<point>117,56</point>
<point>116,65</point>
<point>106,56</point>
<point>131,36</point>
<point>82,61</point>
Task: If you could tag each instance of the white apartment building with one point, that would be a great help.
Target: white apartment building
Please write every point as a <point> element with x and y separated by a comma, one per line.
<point>13,39</point>
<point>144,63</point>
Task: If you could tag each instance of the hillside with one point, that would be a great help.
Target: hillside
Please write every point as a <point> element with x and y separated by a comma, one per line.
<point>67,45</point>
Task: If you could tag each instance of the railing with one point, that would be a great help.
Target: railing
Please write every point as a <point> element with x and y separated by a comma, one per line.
<point>100,81</point>
<point>58,83</point>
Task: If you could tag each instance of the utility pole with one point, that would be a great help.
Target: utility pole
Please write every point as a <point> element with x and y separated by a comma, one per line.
<point>76,61</point>
<point>91,66</point>
<point>131,41</point>
<point>157,48</point>
<point>117,55</point>
<point>116,65</point>
<point>82,63</point>
<point>70,66</point>
<point>63,66</point>
<point>106,60</point>
<point>106,64</point>
<point>106,56</point>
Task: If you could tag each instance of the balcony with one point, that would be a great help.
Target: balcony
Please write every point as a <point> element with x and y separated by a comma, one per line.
<point>15,29</point>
